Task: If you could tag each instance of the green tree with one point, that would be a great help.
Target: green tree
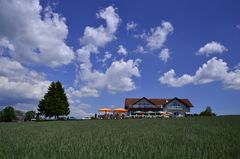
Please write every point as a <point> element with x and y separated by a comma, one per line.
<point>8,114</point>
<point>1,116</point>
<point>207,112</point>
<point>61,101</point>
<point>29,115</point>
<point>45,105</point>
<point>54,102</point>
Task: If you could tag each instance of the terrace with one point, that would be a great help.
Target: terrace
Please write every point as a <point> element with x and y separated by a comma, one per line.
<point>120,113</point>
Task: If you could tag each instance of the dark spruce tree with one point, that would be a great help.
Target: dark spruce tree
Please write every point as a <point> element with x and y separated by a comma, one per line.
<point>61,101</point>
<point>46,104</point>
<point>54,102</point>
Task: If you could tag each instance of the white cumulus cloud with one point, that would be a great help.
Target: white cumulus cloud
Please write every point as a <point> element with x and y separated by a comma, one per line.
<point>140,49</point>
<point>214,70</point>
<point>169,78</point>
<point>131,26</point>
<point>164,55</point>
<point>99,37</point>
<point>34,34</point>
<point>122,50</point>
<point>5,44</point>
<point>78,109</point>
<point>158,36</point>
<point>83,92</point>
<point>116,78</point>
<point>212,48</point>
<point>107,56</point>
<point>19,82</point>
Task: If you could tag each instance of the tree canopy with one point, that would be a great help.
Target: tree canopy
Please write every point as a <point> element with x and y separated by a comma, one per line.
<point>8,114</point>
<point>29,115</point>
<point>54,102</point>
<point>207,112</point>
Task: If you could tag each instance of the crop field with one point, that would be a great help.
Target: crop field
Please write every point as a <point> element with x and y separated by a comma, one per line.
<point>195,138</point>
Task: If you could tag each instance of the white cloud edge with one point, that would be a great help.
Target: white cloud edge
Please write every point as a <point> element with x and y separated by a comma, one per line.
<point>122,50</point>
<point>212,47</point>
<point>96,80</point>
<point>164,55</point>
<point>131,26</point>
<point>214,70</point>
<point>38,34</point>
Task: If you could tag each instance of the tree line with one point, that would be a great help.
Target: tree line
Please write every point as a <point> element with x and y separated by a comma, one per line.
<point>53,104</point>
<point>9,114</point>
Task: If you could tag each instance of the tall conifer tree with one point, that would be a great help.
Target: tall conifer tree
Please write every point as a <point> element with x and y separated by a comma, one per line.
<point>54,102</point>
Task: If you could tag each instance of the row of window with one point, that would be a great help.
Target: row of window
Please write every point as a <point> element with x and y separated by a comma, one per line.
<point>176,104</point>
<point>175,107</point>
<point>144,106</point>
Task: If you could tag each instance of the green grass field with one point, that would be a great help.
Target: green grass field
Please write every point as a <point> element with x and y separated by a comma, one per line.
<point>182,138</point>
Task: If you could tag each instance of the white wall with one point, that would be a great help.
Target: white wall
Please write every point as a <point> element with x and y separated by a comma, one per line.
<point>176,106</point>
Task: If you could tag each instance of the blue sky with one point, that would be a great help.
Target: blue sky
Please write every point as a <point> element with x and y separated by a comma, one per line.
<point>106,51</point>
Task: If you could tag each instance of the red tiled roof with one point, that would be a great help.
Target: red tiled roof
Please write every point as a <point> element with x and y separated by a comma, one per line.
<point>156,101</point>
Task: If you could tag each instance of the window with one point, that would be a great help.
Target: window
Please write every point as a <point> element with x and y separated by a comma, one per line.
<point>175,105</point>
<point>143,104</point>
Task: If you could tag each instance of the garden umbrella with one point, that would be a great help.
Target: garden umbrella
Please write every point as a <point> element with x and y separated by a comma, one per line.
<point>120,110</point>
<point>139,112</point>
<point>169,113</point>
<point>161,112</point>
<point>150,112</point>
<point>105,110</point>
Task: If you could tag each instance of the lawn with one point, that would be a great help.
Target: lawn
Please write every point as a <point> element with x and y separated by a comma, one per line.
<point>176,138</point>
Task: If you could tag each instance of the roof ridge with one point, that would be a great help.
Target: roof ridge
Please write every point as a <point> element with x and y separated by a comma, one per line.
<point>158,101</point>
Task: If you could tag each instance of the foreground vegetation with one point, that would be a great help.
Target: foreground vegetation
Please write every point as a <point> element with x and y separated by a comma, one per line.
<point>197,137</point>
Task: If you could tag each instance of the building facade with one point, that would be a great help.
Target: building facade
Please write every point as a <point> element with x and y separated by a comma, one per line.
<point>175,106</point>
